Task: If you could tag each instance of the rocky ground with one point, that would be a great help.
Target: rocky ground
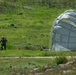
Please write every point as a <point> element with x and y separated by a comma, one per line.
<point>68,68</point>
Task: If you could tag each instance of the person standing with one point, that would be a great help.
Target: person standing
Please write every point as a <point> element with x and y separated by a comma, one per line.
<point>3,43</point>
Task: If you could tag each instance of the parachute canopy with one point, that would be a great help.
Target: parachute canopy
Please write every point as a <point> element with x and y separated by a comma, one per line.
<point>64,31</point>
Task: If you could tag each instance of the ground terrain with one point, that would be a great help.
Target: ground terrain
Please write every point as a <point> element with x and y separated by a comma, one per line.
<point>27,25</point>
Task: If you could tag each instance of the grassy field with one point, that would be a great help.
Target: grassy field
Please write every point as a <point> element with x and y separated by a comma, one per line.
<point>32,30</point>
<point>34,53</point>
<point>28,31</point>
<point>27,26</point>
<point>19,65</point>
<point>34,66</point>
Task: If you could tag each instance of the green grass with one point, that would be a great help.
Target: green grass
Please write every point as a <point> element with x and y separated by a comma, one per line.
<point>25,61</point>
<point>20,65</point>
<point>26,66</point>
<point>34,53</point>
<point>29,27</point>
<point>33,26</point>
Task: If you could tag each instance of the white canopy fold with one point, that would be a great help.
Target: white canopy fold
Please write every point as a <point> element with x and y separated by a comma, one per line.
<point>64,31</point>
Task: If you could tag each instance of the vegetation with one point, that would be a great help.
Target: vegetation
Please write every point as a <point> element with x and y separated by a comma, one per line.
<point>34,53</point>
<point>61,60</point>
<point>34,66</point>
<point>20,65</point>
<point>27,24</point>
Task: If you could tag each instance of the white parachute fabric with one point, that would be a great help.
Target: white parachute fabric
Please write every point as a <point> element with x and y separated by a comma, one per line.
<point>64,31</point>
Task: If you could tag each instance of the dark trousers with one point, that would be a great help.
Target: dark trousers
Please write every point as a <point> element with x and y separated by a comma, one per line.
<point>3,46</point>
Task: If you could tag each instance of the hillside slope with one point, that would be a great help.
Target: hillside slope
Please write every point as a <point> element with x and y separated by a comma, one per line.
<point>27,25</point>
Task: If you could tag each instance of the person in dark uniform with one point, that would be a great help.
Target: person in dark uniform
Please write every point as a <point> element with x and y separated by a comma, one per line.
<point>3,43</point>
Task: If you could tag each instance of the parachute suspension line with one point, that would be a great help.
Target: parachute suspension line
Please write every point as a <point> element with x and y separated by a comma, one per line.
<point>69,36</point>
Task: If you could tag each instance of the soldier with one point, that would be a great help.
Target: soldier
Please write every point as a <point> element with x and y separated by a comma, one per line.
<point>3,43</point>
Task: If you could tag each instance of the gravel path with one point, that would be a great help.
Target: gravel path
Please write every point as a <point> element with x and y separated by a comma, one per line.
<point>39,57</point>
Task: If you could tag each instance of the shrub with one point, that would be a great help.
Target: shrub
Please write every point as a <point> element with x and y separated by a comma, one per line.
<point>47,54</point>
<point>61,60</point>
<point>29,47</point>
<point>20,13</point>
<point>12,25</point>
<point>10,46</point>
